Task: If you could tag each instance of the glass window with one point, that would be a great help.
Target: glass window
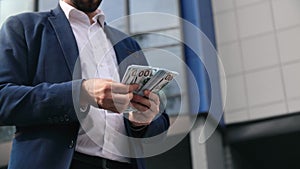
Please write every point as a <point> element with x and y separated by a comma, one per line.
<point>159,39</point>
<point>113,9</point>
<point>114,12</point>
<point>155,21</point>
<point>12,7</point>
<point>165,6</point>
<point>146,22</point>
<point>46,5</point>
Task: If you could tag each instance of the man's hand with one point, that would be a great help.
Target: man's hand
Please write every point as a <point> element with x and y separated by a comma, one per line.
<point>147,106</point>
<point>107,94</point>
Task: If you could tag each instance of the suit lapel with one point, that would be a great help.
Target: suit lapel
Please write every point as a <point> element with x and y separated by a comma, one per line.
<point>65,37</point>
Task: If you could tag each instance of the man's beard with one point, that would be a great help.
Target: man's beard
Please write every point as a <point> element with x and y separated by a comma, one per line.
<point>86,6</point>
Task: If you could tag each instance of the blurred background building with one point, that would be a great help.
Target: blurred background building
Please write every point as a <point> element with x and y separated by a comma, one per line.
<point>257,42</point>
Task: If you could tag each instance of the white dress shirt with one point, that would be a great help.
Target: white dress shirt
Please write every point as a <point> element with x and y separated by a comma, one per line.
<point>101,129</point>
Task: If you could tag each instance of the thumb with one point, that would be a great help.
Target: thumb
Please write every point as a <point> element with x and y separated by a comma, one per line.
<point>133,87</point>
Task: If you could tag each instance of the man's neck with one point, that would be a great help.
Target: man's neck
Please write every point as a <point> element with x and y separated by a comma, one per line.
<point>91,15</point>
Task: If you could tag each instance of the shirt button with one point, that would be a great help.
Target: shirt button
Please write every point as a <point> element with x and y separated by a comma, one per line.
<point>96,46</point>
<point>71,144</point>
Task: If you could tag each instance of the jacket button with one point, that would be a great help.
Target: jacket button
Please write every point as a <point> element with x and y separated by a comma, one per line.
<point>56,119</point>
<point>50,120</point>
<point>62,119</point>
<point>67,118</point>
<point>71,144</point>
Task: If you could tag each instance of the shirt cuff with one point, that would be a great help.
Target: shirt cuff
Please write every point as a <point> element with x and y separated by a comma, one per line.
<point>84,108</point>
<point>137,128</point>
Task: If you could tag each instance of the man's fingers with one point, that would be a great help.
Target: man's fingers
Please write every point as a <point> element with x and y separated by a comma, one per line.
<point>133,87</point>
<point>119,108</point>
<point>144,104</point>
<point>152,96</point>
<point>117,98</point>
<point>122,98</point>
<point>119,88</point>
<point>114,106</point>
<point>141,100</point>
<point>122,88</point>
<point>140,107</point>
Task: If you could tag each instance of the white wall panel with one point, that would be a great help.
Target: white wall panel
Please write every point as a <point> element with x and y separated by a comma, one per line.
<point>236,94</point>
<point>264,87</point>
<point>269,110</point>
<point>292,80</point>
<point>221,5</point>
<point>240,3</point>
<point>286,13</point>
<point>289,41</point>
<point>255,19</point>
<point>260,52</point>
<point>231,58</point>
<point>225,26</point>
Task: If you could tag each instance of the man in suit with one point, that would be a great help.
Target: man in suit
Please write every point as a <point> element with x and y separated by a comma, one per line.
<point>47,91</point>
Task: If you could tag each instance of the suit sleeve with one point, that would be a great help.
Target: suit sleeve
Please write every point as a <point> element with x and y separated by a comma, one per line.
<point>22,104</point>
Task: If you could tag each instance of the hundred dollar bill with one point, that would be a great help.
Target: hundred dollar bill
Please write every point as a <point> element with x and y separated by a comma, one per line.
<point>151,78</point>
<point>147,77</point>
<point>136,74</point>
<point>158,81</point>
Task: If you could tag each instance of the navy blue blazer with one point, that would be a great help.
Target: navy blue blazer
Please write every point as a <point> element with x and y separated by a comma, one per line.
<point>38,54</point>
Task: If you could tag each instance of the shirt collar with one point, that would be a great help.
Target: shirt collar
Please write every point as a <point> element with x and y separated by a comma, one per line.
<point>72,12</point>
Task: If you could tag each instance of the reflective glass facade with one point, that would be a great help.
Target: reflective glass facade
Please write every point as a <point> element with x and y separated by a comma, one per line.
<point>11,7</point>
<point>45,5</point>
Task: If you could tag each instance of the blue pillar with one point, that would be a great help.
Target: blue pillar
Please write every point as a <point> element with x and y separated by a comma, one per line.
<point>199,13</point>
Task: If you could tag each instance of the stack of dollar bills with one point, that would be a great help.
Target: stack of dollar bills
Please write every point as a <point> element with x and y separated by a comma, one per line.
<point>148,77</point>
